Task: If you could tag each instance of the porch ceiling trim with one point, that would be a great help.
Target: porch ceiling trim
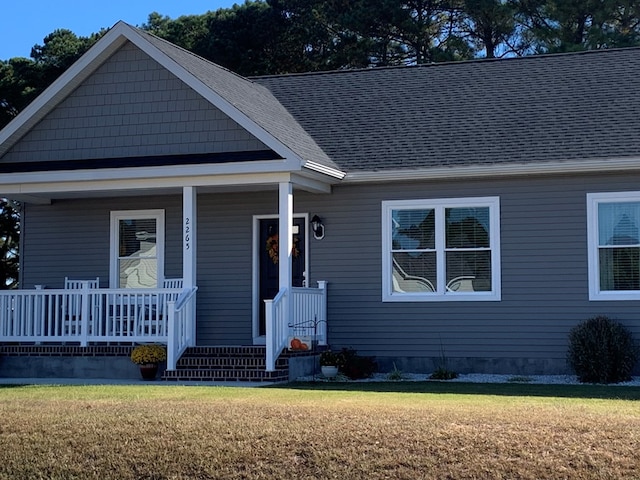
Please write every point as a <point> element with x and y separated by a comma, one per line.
<point>35,187</point>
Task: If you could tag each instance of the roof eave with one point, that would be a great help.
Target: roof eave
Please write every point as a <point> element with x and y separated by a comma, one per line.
<point>496,170</point>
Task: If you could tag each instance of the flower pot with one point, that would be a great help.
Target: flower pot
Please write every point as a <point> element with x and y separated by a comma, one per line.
<point>329,371</point>
<point>149,371</point>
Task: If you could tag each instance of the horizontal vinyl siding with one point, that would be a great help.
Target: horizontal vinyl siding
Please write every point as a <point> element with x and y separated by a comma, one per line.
<point>544,272</point>
<point>131,106</point>
<point>544,265</point>
<point>70,238</point>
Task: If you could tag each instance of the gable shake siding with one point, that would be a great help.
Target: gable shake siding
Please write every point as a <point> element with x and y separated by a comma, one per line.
<point>544,269</point>
<point>131,107</point>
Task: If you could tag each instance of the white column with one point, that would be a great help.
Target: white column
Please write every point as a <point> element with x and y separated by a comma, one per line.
<point>285,219</point>
<point>189,258</point>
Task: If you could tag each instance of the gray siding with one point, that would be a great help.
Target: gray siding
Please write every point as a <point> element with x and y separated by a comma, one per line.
<point>544,276</point>
<point>71,238</point>
<point>130,107</point>
<point>544,269</point>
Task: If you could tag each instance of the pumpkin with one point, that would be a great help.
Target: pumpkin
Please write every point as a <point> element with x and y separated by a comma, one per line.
<point>296,344</point>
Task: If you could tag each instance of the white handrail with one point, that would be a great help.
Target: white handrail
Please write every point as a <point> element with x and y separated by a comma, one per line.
<point>277,330</point>
<point>181,320</point>
<point>308,316</point>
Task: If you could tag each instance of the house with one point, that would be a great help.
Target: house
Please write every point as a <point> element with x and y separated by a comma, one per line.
<point>475,210</point>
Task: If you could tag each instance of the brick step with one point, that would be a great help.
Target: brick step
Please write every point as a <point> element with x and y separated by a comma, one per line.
<point>244,363</point>
<point>224,351</point>
<point>227,375</point>
<point>198,363</point>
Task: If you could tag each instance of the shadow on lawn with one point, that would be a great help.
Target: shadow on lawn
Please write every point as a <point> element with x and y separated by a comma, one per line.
<point>460,388</point>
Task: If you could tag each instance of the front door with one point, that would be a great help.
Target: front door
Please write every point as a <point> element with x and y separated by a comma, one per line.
<point>268,261</point>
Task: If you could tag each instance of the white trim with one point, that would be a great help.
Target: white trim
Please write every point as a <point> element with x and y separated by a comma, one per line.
<point>153,178</point>
<point>255,269</point>
<point>116,216</point>
<point>146,173</point>
<point>317,167</point>
<point>189,236</point>
<point>593,260</point>
<point>441,293</point>
<point>496,170</point>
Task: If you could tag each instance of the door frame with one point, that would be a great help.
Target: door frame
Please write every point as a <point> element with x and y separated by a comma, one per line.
<point>255,269</point>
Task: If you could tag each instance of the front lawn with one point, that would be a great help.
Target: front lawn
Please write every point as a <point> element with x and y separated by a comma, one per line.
<point>313,431</point>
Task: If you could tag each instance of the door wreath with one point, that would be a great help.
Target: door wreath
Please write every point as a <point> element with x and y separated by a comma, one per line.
<point>272,247</point>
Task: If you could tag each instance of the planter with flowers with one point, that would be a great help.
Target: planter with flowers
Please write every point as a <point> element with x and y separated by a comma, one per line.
<point>148,357</point>
<point>329,363</point>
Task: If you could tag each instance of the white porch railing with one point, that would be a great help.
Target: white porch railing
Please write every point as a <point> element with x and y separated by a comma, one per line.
<point>181,315</point>
<point>308,317</point>
<point>85,316</point>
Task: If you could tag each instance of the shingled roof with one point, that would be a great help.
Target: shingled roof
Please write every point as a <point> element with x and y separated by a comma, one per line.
<point>551,108</point>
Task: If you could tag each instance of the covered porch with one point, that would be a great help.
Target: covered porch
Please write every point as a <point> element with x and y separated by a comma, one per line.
<point>44,314</point>
<point>175,181</point>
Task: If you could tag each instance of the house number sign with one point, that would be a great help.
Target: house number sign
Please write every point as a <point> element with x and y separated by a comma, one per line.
<point>187,233</point>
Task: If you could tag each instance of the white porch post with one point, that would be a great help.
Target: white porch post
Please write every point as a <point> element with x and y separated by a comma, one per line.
<point>285,233</point>
<point>189,238</point>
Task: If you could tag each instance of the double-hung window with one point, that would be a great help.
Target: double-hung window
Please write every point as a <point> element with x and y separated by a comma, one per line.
<point>613,230</point>
<point>440,250</point>
<point>137,248</point>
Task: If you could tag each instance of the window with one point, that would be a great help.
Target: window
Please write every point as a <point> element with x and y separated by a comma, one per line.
<point>439,250</point>
<point>614,245</point>
<point>137,249</point>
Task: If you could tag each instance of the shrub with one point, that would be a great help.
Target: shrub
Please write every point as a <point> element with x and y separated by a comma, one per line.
<point>355,366</point>
<point>443,373</point>
<point>601,351</point>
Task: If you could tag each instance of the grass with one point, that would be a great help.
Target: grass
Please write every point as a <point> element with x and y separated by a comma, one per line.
<point>321,430</point>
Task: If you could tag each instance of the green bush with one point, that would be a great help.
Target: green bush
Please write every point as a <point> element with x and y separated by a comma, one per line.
<point>355,366</point>
<point>601,351</point>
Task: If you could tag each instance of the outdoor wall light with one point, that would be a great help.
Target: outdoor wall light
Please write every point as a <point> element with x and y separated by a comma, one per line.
<point>317,227</point>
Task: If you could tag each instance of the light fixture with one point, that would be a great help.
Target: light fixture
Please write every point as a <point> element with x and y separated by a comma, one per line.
<point>317,227</point>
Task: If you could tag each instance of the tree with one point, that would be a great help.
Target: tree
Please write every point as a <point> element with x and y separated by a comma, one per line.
<point>9,244</point>
<point>489,25</point>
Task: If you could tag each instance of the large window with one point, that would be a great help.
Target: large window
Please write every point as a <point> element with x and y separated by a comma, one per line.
<point>614,246</point>
<point>137,248</point>
<point>445,249</point>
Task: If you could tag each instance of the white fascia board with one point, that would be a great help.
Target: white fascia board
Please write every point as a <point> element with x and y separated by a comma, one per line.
<point>310,184</point>
<point>332,172</point>
<point>62,86</point>
<point>497,170</point>
<point>213,97</point>
<point>89,185</point>
<point>133,173</point>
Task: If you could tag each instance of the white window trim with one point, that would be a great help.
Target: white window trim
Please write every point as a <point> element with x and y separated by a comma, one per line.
<point>118,215</point>
<point>593,200</point>
<point>388,295</point>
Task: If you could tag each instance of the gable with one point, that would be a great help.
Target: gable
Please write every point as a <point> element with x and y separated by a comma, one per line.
<point>131,106</point>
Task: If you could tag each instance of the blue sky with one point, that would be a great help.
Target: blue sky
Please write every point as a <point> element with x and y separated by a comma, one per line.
<point>26,23</point>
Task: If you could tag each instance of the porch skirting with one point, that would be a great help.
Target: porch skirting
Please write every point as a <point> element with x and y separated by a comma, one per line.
<point>222,363</point>
<point>67,361</point>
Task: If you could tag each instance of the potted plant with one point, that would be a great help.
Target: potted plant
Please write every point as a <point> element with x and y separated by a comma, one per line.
<point>329,363</point>
<point>148,358</point>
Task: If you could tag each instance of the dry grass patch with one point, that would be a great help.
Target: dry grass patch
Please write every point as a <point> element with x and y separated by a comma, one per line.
<point>199,432</point>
